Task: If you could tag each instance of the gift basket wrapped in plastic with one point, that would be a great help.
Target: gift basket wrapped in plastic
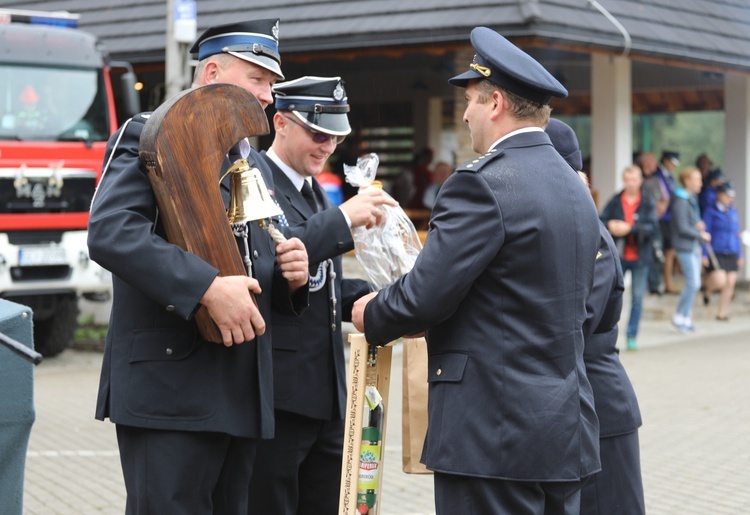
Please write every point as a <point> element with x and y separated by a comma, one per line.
<point>388,250</point>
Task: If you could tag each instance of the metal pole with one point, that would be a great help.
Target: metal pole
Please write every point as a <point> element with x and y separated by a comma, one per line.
<point>19,348</point>
<point>173,75</point>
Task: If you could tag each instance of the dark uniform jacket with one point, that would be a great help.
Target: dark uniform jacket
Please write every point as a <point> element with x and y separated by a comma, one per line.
<point>308,351</point>
<point>157,372</point>
<point>616,403</point>
<point>501,287</point>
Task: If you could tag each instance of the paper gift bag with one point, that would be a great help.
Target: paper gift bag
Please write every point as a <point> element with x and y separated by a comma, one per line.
<point>414,406</point>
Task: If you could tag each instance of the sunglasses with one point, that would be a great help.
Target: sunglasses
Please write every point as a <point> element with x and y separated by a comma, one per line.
<point>317,137</point>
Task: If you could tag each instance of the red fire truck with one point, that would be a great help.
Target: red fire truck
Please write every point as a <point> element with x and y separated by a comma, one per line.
<point>57,111</point>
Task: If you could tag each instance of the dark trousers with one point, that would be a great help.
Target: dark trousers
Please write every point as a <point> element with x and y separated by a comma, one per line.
<point>299,471</point>
<point>466,495</point>
<point>618,488</point>
<point>184,472</point>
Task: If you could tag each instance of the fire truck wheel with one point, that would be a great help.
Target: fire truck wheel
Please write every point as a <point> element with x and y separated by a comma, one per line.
<point>55,334</point>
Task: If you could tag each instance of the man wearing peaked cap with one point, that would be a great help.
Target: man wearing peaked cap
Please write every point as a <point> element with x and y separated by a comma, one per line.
<point>618,488</point>
<point>180,403</point>
<point>667,164</point>
<point>299,470</point>
<point>500,289</point>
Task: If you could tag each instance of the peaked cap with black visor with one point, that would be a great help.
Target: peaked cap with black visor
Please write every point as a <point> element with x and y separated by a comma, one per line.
<point>501,62</point>
<point>319,102</point>
<point>255,41</point>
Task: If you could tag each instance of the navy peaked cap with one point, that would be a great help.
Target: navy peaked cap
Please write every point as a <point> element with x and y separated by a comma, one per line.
<point>320,102</point>
<point>726,187</point>
<point>672,156</point>
<point>503,63</point>
<point>256,41</point>
<point>565,141</point>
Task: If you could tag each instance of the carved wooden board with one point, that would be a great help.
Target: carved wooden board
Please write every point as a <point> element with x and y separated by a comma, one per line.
<point>183,146</point>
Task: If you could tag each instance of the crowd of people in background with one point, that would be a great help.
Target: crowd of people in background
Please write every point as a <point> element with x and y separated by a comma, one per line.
<point>668,219</point>
<point>700,242</point>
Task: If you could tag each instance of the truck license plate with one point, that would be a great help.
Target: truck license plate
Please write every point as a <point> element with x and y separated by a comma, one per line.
<point>39,256</point>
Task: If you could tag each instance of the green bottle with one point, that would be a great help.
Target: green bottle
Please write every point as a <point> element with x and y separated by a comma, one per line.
<point>370,453</point>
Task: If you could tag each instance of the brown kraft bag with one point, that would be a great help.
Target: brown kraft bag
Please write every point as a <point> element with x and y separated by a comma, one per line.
<point>414,405</point>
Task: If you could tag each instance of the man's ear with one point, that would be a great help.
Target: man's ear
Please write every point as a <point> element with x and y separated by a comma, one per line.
<point>497,101</point>
<point>279,122</point>
<point>211,72</point>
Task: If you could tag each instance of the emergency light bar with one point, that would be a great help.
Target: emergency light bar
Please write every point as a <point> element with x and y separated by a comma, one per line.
<point>57,18</point>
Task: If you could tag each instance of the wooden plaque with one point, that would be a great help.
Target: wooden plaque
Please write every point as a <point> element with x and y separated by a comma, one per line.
<point>183,146</point>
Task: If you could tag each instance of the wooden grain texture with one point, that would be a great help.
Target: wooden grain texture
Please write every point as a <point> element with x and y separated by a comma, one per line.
<point>183,145</point>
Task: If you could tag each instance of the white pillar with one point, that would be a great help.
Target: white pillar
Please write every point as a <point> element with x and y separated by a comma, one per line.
<point>611,123</point>
<point>737,146</point>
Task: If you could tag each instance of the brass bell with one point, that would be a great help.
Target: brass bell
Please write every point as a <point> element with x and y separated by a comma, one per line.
<point>249,198</point>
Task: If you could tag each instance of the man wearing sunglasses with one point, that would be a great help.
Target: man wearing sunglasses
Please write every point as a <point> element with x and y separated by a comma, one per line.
<point>188,412</point>
<point>300,468</point>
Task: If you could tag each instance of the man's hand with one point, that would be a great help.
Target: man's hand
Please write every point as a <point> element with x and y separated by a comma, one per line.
<point>292,258</point>
<point>364,208</point>
<point>233,309</point>
<point>619,228</point>
<point>358,311</point>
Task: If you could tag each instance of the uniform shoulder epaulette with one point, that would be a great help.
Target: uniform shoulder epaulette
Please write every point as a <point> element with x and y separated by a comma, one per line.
<point>478,162</point>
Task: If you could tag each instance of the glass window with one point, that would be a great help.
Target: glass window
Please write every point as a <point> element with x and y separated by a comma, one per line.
<point>52,104</point>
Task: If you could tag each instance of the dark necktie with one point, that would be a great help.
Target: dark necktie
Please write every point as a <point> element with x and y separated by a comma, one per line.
<point>307,192</point>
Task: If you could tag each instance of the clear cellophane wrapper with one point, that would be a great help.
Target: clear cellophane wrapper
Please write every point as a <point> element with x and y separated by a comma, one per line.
<point>388,250</point>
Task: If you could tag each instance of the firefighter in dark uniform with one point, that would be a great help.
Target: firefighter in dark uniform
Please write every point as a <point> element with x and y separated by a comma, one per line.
<point>501,288</point>
<point>618,488</point>
<point>299,470</point>
<point>189,412</point>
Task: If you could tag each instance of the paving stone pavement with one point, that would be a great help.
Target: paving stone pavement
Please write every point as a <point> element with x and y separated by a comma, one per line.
<point>694,392</point>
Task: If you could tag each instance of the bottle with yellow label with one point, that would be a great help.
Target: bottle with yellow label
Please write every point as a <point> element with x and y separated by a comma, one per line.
<point>370,452</point>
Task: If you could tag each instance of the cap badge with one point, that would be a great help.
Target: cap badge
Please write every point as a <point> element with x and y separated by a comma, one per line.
<point>338,92</point>
<point>486,72</point>
<point>275,30</point>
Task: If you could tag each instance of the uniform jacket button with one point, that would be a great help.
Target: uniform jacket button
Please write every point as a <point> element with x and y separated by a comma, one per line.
<point>255,254</point>
<point>439,371</point>
<point>169,351</point>
<point>170,308</point>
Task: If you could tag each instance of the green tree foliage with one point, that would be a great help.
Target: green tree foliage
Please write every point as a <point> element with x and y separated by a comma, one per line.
<point>689,133</point>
